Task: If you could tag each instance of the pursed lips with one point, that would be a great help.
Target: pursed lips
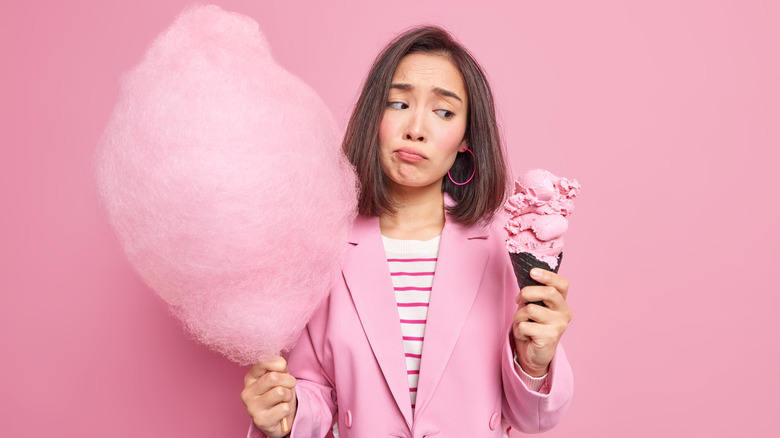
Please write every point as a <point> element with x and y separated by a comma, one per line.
<point>409,154</point>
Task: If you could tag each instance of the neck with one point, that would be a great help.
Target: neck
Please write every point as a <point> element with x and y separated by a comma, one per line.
<point>419,213</point>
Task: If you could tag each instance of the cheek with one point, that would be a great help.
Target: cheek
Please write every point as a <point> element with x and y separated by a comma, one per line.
<point>452,136</point>
<point>387,129</point>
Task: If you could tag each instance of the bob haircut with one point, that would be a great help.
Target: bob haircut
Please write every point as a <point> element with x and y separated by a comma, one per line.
<point>476,201</point>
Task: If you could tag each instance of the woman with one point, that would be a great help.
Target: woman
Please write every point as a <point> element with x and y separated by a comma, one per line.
<point>426,333</point>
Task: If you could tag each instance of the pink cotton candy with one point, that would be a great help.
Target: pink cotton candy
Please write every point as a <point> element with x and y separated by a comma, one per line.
<point>222,175</point>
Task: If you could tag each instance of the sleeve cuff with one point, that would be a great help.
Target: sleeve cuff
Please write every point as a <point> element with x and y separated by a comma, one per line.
<point>533,383</point>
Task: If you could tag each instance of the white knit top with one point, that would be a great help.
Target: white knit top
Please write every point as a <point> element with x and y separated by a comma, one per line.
<point>412,266</point>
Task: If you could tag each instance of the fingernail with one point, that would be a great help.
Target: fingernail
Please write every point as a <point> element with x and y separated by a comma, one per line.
<point>537,273</point>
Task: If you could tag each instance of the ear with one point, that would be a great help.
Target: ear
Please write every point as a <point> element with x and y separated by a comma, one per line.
<point>463,145</point>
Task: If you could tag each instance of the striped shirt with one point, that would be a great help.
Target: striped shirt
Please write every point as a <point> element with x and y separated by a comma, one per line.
<point>412,265</point>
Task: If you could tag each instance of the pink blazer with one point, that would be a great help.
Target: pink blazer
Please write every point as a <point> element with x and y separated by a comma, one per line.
<point>350,358</point>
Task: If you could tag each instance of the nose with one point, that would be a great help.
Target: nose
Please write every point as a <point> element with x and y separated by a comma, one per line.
<point>416,128</point>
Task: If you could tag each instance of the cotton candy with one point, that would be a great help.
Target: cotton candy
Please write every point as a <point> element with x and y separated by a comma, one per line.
<point>222,176</point>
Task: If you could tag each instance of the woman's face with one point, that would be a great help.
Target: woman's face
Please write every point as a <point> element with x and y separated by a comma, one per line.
<point>424,123</point>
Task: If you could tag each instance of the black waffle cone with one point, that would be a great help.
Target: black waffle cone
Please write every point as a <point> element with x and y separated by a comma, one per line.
<point>523,262</point>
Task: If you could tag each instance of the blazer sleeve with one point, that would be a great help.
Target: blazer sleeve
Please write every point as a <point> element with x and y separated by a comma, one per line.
<point>530,411</point>
<point>314,391</point>
<point>526,410</point>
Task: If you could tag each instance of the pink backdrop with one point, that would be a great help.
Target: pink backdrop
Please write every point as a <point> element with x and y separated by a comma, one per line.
<point>666,111</point>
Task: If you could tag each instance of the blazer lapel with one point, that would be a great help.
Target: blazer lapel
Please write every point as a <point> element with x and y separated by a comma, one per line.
<point>459,269</point>
<point>368,280</point>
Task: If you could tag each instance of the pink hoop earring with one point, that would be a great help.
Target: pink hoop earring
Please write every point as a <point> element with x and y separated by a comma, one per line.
<point>472,173</point>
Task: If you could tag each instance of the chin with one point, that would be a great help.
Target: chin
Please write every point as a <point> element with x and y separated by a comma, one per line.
<point>418,184</point>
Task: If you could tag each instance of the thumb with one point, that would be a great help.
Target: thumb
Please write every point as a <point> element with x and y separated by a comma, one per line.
<point>277,364</point>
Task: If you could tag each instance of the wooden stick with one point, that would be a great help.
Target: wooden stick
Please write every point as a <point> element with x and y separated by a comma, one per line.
<point>285,428</point>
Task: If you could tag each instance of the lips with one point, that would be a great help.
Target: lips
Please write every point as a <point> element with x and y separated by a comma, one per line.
<point>410,154</point>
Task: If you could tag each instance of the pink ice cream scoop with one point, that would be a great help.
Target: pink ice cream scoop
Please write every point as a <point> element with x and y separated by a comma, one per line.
<point>538,210</point>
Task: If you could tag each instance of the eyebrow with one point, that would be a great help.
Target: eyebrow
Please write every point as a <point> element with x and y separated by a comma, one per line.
<point>437,90</point>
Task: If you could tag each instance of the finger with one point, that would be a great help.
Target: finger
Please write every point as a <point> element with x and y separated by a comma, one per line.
<point>276,395</point>
<point>255,372</point>
<point>271,418</point>
<point>270,402</point>
<point>278,364</point>
<point>520,330</point>
<point>540,324</point>
<point>258,405</point>
<point>267,382</point>
<point>535,313</point>
<point>550,296</point>
<point>551,279</point>
<point>537,333</point>
<point>250,377</point>
<point>273,379</point>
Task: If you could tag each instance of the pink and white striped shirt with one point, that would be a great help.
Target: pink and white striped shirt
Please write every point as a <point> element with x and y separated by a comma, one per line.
<point>412,266</point>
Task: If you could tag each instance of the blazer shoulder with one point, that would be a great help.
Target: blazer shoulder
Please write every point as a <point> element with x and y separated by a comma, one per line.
<point>363,227</point>
<point>495,233</point>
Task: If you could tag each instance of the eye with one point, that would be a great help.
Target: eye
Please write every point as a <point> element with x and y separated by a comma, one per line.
<point>445,113</point>
<point>397,105</point>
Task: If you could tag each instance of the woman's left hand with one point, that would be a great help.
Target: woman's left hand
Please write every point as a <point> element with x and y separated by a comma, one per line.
<point>537,329</point>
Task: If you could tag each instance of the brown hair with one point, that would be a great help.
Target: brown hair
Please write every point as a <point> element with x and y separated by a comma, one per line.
<point>476,201</point>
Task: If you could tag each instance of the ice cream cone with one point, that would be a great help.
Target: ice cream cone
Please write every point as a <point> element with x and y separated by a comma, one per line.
<point>538,211</point>
<point>523,262</point>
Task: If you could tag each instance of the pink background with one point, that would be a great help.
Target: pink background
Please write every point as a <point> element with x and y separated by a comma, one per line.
<point>666,111</point>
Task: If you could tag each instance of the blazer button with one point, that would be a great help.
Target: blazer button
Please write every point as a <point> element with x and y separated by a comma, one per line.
<point>348,419</point>
<point>495,419</point>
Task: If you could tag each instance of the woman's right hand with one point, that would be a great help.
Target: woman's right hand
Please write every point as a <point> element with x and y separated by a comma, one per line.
<point>269,396</point>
